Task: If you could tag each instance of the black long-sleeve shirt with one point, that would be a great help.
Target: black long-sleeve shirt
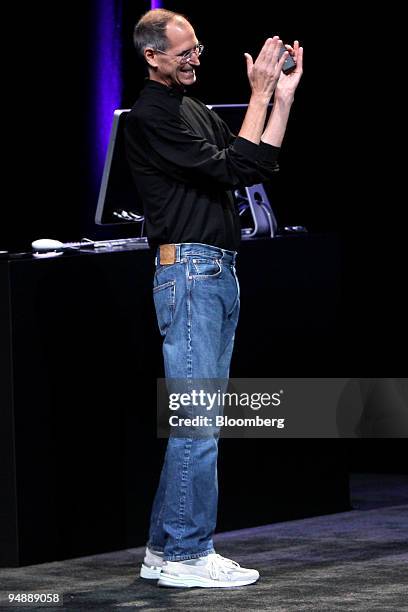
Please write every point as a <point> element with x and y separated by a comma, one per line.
<point>185,163</point>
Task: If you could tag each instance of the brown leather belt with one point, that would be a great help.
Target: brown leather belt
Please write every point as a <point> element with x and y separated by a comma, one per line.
<point>167,254</point>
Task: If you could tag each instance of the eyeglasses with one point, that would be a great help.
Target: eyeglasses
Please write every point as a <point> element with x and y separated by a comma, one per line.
<point>183,58</point>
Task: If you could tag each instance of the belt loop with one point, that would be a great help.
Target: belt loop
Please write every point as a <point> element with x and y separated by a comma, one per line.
<point>178,252</point>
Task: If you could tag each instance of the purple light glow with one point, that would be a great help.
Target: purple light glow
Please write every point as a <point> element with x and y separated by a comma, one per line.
<point>155,4</point>
<point>108,74</point>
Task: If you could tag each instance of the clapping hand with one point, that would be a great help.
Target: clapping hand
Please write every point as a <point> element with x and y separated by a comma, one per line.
<point>287,83</point>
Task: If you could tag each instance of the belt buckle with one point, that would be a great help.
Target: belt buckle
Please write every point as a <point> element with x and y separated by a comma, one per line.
<point>167,254</point>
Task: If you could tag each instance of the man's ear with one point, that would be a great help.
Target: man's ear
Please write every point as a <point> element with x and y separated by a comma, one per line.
<point>150,57</point>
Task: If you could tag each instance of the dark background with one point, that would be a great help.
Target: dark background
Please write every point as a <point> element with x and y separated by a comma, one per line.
<point>333,163</point>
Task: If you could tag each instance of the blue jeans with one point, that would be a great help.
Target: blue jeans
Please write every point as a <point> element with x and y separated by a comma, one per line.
<point>197,306</point>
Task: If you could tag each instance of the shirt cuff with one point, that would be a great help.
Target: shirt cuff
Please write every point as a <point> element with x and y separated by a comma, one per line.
<point>267,152</point>
<point>262,152</point>
<point>246,147</point>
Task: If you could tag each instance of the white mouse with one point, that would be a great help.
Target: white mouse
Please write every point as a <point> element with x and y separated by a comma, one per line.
<point>46,244</point>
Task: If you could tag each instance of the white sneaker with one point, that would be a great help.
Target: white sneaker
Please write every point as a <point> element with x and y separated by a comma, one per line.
<point>152,564</point>
<point>210,571</point>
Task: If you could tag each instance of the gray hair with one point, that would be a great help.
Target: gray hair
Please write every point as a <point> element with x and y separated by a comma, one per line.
<point>150,30</point>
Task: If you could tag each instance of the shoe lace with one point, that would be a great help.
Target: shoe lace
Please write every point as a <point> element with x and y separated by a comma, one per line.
<point>218,565</point>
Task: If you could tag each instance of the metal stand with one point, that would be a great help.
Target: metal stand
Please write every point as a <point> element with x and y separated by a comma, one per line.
<point>262,214</point>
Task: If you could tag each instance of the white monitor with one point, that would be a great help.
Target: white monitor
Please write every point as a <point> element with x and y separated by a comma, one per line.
<point>118,196</point>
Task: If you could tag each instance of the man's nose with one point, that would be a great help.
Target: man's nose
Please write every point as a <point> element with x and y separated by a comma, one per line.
<point>194,59</point>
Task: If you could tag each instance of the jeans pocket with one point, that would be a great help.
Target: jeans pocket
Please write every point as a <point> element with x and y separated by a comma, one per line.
<point>204,267</point>
<point>164,297</point>
<point>236,306</point>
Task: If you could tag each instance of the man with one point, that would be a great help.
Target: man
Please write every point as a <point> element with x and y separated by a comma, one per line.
<point>186,163</point>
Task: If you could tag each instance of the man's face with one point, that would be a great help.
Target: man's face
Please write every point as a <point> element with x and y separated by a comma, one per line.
<point>169,69</point>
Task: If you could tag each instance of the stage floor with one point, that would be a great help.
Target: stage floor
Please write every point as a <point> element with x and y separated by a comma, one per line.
<point>347,561</point>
